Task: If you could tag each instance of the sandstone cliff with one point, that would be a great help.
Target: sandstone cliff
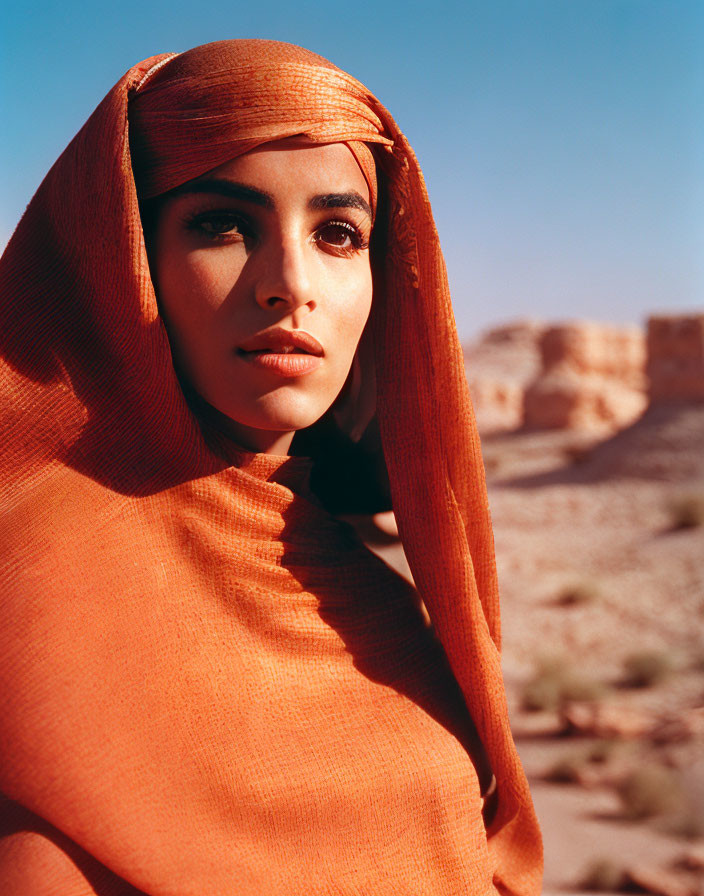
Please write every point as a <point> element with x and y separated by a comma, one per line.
<point>675,366</point>
<point>592,377</point>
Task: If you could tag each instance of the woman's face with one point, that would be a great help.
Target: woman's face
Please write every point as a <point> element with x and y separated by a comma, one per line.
<point>262,272</point>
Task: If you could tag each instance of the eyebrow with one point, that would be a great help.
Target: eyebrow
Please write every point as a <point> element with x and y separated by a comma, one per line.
<point>352,199</point>
<point>228,188</point>
<point>231,189</point>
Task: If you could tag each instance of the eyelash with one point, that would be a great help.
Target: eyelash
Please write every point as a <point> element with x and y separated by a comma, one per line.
<point>239,228</point>
<point>197,223</point>
<point>355,235</point>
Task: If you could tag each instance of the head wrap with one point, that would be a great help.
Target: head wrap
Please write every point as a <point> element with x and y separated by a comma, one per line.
<point>97,433</point>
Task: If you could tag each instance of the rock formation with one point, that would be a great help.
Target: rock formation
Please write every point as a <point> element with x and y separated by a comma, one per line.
<point>675,366</point>
<point>499,367</point>
<point>591,378</point>
<point>585,376</point>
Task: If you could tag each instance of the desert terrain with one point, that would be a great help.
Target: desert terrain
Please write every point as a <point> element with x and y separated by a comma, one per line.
<point>593,441</point>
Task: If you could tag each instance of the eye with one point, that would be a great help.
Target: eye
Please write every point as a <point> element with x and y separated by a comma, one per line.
<point>220,224</point>
<point>341,237</point>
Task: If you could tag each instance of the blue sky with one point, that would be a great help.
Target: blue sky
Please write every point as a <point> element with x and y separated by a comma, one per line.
<point>562,140</point>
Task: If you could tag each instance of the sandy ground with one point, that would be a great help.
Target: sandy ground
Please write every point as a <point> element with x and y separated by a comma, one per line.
<point>601,526</point>
<point>570,517</point>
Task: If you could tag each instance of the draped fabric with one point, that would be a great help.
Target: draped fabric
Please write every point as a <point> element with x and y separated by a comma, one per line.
<point>207,684</point>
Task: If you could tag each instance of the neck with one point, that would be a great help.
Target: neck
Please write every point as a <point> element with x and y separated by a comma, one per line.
<point>259,441</point>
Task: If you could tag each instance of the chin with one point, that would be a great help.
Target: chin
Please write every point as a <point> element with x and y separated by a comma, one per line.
<point>276,414</point>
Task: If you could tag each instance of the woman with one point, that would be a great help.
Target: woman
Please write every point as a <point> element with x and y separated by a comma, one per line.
<point>210,686</point>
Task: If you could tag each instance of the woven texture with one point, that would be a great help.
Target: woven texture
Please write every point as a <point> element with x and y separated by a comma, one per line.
<point>209,686</point>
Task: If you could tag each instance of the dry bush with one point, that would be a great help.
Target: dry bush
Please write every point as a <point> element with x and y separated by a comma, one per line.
<point>649,791</point>
<point>578,452</point>
<point>554,684</point>
<point>687,511</point>
<point>492,464</point>
<point>567,770</point>
<point>647,668</point>
<point>603,876</point>
<point>688,820</point>
<point>578,593</point>
<point>688,824</point>
<point>602,750</point>
<point>573,767</point>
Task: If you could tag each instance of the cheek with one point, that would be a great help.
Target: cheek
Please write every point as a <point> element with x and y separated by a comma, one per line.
<point>191,286</point>
<point>353,310</point>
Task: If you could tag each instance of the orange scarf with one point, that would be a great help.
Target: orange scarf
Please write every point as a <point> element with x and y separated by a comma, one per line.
<point>145,568</point>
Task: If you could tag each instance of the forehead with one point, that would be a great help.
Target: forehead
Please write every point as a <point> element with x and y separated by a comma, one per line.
<point>290,165</point>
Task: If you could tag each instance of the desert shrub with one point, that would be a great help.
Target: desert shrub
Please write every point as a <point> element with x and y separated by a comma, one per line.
<point>602,750</point>
<point>570,768</point>
<point>688,824</point>
<point>649,791</point>
<point>556,683</point>
<point>540,694</point>
<point>575,687</point>
<point>688,820</point>
<point>566,770</point>
<point>603,876</point>
<point>687,511</point>
<point>578,593</point>
<point>492,464</point>
<point>577,452</point>
<point>647,668</point>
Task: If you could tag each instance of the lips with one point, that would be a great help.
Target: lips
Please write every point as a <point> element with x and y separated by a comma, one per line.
<point>284,342</point>
<point>287,353</point>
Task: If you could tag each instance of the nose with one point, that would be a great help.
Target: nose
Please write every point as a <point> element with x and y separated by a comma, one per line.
<point>286,282</point>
